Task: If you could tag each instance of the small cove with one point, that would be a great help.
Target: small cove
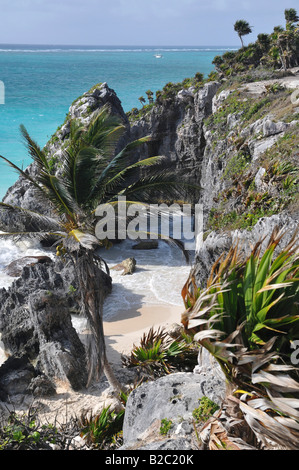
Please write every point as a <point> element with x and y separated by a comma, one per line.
<point>157,282</point>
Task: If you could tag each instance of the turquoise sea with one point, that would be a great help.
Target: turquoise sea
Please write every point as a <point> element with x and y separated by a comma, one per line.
<point>42,81</point>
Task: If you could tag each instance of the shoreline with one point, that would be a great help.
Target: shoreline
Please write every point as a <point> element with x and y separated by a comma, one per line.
<point>127,327</point>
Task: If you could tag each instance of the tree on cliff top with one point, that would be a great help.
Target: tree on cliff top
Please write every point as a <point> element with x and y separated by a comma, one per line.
<point>290,16</point>
<point>91,174</point>
<point>242,28</point>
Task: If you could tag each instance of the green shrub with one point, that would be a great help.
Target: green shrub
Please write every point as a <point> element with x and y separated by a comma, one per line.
<point>205,410</point>
<point>103,430</point>
<point>24,432</point>
<point>165,426</point>
<point>158,354</point>
<point>247,317</point>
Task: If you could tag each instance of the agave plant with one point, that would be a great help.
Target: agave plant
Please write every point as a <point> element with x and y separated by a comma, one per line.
<point>159,354</point>
<point>92,173</point>
<point>247,317</point>
<point>102,430</point>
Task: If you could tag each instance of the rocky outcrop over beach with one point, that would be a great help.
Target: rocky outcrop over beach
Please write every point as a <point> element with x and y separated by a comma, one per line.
<point>36,328</point>
<point>236,139</point>
<point>83,108</point>
<point>176,130</point>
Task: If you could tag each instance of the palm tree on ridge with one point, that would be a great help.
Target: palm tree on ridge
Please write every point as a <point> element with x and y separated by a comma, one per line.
<point>91,174</point>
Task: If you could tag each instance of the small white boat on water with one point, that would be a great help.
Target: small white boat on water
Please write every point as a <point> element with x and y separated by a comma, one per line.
<point>158,56</point>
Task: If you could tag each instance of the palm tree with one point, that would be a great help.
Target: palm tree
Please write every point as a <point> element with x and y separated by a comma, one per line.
<point>242,28</point>
<point>142,100</point>
<point>91,175</point>
<point>264,41</point>
<point>150,95</point>
<point>290,17</point>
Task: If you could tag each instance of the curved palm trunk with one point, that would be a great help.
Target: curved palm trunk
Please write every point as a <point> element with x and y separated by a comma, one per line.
<point>88,273</point>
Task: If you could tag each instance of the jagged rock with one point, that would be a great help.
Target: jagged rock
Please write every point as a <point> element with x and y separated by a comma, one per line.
<point>42,386</point>
<point>186,95</point>
<point>35,320</point>
<point>203,100</point>
<point>233,120</point>
<point>272,128</point>
<point>219,99</point>
<point>61,353</point>
<point>258,147</point>
<point>207,364</point>
<point>127,266</point>
<point>16,375</point>
<point>176,132</point>
<point>176,129</point>
<point>172,397</point>
<point>259,178</point>
<point>15,268</point>
<point>170,444</point>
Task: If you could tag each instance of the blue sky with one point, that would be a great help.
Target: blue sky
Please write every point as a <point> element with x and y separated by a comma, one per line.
<point>136,22</point>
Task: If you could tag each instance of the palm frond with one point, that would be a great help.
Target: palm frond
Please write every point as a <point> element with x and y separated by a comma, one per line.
<point>39,235</point>
<point>59,195</point>
<point>35,151</point>
<point>246,318</point>
<point>104,131</point>
<point>22,173</point>
<point>163,185</point>
<point>117,164</point>
<point>118,181</point>
<point>80,170</point>
<point>40,220</point>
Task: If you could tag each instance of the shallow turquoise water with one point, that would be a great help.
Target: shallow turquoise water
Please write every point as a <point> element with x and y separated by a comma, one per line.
<point>42,81</point>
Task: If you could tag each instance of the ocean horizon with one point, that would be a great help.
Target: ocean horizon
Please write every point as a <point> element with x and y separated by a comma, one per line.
<point>41,82</point>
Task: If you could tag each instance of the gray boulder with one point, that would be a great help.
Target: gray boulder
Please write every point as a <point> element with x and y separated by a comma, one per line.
<point>15,268</point>
<point>16,375</point>
<point>128,266</point>
<point>173,397</point>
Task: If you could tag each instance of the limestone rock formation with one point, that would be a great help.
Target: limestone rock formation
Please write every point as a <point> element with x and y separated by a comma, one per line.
<point>241,146</point>
<point>15,268</point>
<point>173,397</point>
<point>83,108</point>
<point>35,321</point>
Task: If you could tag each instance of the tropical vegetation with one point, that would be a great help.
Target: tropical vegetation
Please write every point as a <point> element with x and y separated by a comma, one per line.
<point>92,173</point>
<point>24,431</point>
<point>247,318</point>
<point>159,354</point>
<point>102,431</point>
<point>242,28</point>
<point>279,49</point>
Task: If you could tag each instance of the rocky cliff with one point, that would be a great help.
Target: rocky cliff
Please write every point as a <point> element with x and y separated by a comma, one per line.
<point>235,137</point>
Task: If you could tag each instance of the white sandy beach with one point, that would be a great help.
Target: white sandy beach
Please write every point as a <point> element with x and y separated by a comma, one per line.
<point>125,329</point>
<point>151,297</point>
<point>121,332</point>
